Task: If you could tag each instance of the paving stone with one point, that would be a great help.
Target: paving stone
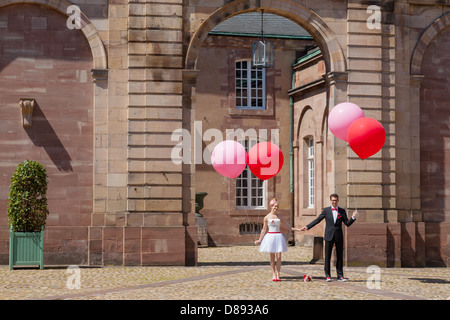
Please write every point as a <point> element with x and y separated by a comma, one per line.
<point>223,273</point>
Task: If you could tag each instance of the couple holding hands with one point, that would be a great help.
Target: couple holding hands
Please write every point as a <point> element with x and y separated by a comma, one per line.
<point>271,239</point>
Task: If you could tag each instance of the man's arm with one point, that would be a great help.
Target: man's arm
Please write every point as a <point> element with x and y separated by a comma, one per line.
<point>316,221</point>
<point>348,222</point>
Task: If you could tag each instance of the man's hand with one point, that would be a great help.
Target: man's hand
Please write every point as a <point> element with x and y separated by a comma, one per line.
<point>355,214</point>
<point>303,229</point>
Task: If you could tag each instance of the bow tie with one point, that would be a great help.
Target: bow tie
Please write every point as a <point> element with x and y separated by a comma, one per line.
<point>334,209</point>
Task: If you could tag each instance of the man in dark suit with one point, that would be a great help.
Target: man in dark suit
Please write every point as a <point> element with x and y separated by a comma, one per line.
<point>334,217</point>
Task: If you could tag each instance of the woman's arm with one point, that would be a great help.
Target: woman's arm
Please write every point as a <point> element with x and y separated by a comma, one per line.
<point>263,232</point>
<point>287,226</point>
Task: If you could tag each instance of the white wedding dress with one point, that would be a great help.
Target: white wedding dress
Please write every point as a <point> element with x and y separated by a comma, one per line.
<point>274,240</point>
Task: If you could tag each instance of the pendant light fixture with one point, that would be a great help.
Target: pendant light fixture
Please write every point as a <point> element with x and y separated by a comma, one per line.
<point>262,50</point>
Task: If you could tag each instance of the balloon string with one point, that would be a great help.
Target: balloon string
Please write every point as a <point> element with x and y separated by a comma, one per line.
<point>354,191</point>
<point>352,181</point>
<point>254,230</point>
<point>359,184</point>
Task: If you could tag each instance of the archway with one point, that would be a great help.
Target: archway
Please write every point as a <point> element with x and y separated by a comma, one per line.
<point>309,20</point>
<point>427,73</point>
<point>50,64</point>
<point>335,65</point>
<point>425,39</point>
<point>434,145</point>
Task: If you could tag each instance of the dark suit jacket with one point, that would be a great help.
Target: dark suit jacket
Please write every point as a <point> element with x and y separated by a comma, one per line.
<point>332,229</point>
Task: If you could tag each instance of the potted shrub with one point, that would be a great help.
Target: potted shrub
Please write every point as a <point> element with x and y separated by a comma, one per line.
<point>27,214</point>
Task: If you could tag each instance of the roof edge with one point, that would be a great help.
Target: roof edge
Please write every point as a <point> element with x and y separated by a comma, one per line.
<point>252,35</point>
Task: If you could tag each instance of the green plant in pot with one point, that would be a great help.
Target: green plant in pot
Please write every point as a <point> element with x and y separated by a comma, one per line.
<point>27,214</point>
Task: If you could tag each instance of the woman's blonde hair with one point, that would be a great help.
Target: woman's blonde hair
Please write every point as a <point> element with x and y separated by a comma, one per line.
<point>273,201</point>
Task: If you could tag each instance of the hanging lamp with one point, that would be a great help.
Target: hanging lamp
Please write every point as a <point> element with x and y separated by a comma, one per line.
<point>262,50</point>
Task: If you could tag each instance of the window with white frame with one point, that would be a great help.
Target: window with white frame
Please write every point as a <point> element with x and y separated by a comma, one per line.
<point>250,190</point>
<point>250,86</point>
<point>310,154</point>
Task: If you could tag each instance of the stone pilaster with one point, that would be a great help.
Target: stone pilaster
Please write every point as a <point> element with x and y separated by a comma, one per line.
<point>155,110</point>
<point>155,105</point>
<point>371,85</point>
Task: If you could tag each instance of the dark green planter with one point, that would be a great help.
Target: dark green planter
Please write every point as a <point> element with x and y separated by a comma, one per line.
<point>26,248</point>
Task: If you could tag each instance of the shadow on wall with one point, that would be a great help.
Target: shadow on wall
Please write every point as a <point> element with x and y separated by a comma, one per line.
<point>42,134</point>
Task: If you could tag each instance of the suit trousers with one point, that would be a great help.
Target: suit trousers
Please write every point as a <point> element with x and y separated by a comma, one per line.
<point>339,243</point>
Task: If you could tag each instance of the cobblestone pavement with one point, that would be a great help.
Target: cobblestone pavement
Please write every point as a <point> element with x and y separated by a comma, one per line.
<point>224,273</point>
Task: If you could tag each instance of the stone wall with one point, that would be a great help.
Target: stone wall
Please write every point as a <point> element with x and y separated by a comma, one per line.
<point>41,59</point>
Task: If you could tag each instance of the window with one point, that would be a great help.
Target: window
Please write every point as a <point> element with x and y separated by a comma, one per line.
<point>250,86</point>
<point>250,191</point>
<point>250,228</point>
<point>310,173</point>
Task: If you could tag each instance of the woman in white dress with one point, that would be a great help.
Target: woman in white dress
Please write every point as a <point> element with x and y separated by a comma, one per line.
<point>272,240</point>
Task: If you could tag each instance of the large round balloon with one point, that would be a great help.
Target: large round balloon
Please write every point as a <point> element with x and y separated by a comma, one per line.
<point>265,160</point>
<point>342,116</point>
<point>229,158</point>
<point>366,136</point>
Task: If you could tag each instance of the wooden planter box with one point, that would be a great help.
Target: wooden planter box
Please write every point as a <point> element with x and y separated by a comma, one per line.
<point>26,248</point>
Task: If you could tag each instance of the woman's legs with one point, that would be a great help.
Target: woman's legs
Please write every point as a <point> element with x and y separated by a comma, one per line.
<point>278,256</point>
<point>278,264</point>
<point>272,265</point>
<point>275,264</point>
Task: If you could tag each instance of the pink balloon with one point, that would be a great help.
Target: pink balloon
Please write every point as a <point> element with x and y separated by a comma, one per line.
<point>229,158</point>
<point>341,117</point>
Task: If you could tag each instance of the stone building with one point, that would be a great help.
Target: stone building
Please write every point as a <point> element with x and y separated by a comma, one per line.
<point>111,82</point>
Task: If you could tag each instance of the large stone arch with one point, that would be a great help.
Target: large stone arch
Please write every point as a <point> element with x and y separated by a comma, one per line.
<point>335,74</point>
<point>427,36</point>
<point>424,78</point>
<point>309,20</point>
<point>98,67</point>
<point>97,48</point>
<point>434,148</point>
<point>51,63</point>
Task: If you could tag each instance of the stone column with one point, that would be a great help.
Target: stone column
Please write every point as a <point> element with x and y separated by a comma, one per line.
<point>335,149</point>
<point>414,212</point>
<point>95,246</point>
<point>372,182</point>
<point>371,85</point>
<point>155,225</point>
<point>188,188</point>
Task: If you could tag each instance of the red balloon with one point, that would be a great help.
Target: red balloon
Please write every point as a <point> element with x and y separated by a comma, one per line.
<point>265,160</point>
<point>366,136</point>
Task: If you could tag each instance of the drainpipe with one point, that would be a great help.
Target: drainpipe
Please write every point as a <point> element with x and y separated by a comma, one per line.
<point>291,158</point>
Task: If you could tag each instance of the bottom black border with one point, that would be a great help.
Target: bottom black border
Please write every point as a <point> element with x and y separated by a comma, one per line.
<point>224,309</point>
